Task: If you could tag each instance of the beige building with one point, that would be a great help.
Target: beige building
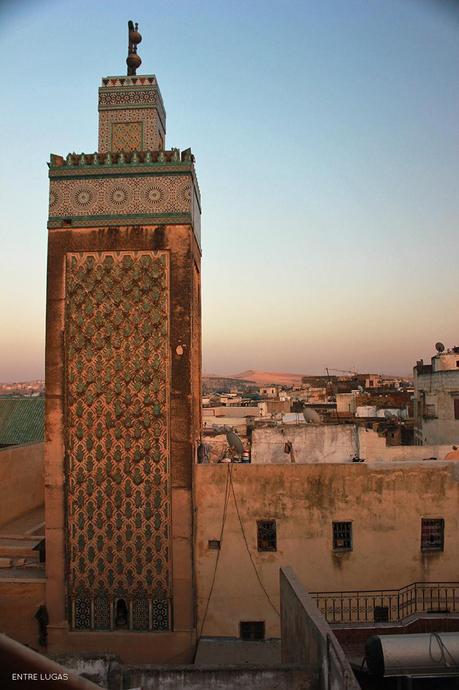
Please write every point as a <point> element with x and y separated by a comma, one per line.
<point>268,391</point>
<point>436,399</point>
<point>341,528</point>
<point>346,403</point>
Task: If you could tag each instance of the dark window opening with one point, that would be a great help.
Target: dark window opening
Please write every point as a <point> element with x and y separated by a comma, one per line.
<point>266,535</point>
<point>252,630</point>
<point>121,614</point>
<point>456,408</point>
<point>214,544</point>
<point>432,534</point>
<point>381,614</point>
<point>342,536</point>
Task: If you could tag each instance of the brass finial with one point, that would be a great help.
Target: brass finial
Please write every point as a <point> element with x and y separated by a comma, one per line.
<point>133,60</point>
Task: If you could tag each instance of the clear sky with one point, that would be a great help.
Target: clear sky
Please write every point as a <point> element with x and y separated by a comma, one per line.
<point>327,143</point>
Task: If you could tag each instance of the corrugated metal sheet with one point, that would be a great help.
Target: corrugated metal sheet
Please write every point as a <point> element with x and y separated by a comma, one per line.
<point>22,420</point>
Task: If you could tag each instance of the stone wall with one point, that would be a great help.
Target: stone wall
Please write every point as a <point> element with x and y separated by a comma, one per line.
<point>21,480</point>
<point>218,678</point>
<point>107,672</point>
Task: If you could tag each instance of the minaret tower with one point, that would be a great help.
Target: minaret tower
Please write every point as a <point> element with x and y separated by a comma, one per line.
<point>123,381</point>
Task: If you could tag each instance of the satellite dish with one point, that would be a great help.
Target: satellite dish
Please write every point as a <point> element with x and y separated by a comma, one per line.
<point>311,416</point>
<point>234,442</point>
<point>439,347</point>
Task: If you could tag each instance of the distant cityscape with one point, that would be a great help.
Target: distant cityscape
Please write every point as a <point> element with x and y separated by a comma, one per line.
<point>25,389</point>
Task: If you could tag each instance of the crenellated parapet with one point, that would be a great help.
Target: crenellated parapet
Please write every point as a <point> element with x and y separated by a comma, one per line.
<point>130,188</point>
<point>73,160</point>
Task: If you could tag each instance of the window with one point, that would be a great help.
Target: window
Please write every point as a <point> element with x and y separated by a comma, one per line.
<point>430,411</point>
<point>214,544</point>
<point>432,534</point>
<point>121,614</point>
<point>266,535</point>
<point>252,630</point>
<point>456,408</point>
<point>342,536</point>
<point>381,614</point>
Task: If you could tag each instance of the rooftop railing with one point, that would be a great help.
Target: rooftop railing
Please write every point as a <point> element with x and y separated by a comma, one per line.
<point>389,605</point>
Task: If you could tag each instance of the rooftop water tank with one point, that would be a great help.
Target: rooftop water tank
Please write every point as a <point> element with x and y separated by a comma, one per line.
<point>426,654</point>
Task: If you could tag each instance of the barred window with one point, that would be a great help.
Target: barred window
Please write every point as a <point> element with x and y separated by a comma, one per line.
<point>342,536</point>
<point>432,534</point>
<point>252,630</point>
<point>266,535</point>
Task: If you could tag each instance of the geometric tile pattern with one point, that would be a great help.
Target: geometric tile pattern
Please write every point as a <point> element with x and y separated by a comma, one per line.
<point>116,97</point>
<point>126,136</point>
<point>120,195</point>
<point>117,444</point>
<point>153,129</point>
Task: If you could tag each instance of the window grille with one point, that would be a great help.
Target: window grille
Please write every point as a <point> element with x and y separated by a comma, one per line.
<point>432,534</point>
<point>252,630</point>
<point>342,536</point>
<point>266,535</point>
<point>381,614</point>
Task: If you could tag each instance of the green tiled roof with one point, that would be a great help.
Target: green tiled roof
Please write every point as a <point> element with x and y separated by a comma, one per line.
<point>22,420</point>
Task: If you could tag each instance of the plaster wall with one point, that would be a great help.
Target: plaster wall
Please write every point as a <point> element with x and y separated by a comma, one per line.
<point>439,390</point>
<point>308,639</point>
<point>320,443</point>
<point>228,411</point>
<point>21,480</point>
<point>346,402</point>
<point>19,602</point>
<point>384,501</point>
<point>312,443</point>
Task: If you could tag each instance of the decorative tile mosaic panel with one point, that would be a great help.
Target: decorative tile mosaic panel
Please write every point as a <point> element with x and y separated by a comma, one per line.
<point>127,136</point>
<point>117,445</point>
<point>120,196</point>
<point>109,98</point>
<point>153,129</point>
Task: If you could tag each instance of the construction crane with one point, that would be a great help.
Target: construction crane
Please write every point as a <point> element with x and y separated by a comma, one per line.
<point>341,371</point>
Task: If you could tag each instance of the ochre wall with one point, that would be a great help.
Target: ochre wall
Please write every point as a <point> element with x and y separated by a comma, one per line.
<point>21,480</point>
<point>384,501</point>
<point>19,602</point>
<point>178,240</point>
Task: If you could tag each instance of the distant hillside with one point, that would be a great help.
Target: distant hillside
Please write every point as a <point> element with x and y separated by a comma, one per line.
<point>214,382</point>
<point>265,378</point>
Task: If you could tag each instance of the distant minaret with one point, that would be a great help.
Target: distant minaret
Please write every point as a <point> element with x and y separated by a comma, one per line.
<point>123,381</point>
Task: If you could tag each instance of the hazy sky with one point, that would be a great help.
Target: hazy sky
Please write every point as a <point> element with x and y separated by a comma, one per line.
<point>327,141</point>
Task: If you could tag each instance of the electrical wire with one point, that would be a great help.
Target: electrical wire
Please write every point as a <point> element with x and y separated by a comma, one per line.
<point>224,514</point>
<point>248,549</point>
<point>444,651</point>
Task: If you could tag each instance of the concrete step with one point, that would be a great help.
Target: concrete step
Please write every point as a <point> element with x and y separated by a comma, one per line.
<point>12,548</point>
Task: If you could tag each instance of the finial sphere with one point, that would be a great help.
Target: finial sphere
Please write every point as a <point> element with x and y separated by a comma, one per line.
<point>133,61</point>
<point>135,37</point>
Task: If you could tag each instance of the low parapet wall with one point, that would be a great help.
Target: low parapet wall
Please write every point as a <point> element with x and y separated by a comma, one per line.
<point>21,480</point>
<point>307,639</point>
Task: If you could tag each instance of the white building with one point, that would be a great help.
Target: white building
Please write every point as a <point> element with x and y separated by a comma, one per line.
<point>436,399</point>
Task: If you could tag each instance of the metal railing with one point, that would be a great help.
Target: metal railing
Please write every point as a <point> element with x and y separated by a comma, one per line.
<point>388,605</point>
